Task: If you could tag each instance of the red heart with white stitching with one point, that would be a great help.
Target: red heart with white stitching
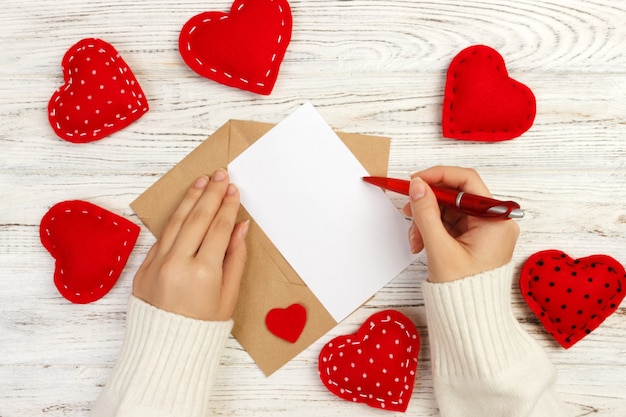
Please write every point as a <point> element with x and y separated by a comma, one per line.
<point>572,297</point>
<point>90,246</point>
<point>481,102</point>
<point>243,48</point>
<point>100,95</point>
<point>376,365</point>
<point>287,323</point>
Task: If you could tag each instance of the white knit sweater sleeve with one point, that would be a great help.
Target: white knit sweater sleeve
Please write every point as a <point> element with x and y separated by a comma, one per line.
<point>484,364</point>
<point>166,366</point>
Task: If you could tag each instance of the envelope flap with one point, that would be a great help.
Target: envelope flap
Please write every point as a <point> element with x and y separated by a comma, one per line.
<point>371,151</point>
<point>244,133</point>
<point>263,288</point>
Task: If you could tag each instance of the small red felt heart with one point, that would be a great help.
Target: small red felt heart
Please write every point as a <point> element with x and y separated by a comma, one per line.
<point>572,297</point>
<point>100,95</point>
<point>376,365</point>
<point>243,48</point>
<point>90,246</point>
<point>287,323</point>
<point>481,102</point>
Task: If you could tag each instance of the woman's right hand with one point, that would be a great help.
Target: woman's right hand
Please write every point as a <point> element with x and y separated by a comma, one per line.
<point>456,245</point>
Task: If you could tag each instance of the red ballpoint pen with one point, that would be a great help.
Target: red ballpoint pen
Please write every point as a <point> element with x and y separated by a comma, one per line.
<point>470,204</point>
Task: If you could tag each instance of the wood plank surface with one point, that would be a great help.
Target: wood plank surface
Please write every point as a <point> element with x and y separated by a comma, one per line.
<point>369,66</point>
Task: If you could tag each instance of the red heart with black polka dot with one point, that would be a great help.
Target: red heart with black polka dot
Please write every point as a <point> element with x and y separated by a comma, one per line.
<point>376,365</point>
<point>572,297</point>
<point>100,96</point>
<point>90,246</point>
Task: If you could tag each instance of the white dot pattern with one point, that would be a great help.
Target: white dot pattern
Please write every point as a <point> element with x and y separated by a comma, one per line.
<point>98,84</point>
<point>375,366</point>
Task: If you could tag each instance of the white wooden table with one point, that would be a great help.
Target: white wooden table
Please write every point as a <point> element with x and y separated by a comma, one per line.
<point>369,66</point>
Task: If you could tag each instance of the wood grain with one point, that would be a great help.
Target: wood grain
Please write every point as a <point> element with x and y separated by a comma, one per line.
<point>370,67</point>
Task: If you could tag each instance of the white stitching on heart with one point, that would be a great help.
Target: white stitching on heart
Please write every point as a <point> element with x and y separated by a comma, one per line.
<point>283,23</point>
<point>73,72</point>
<point>382,401</point>
<point>118,259</point>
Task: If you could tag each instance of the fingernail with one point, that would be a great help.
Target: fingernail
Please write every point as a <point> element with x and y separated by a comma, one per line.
<point>232,189</point>
<point>414,249</point>
<point>417,189</point>
<point>201,182</point>
<point>219,175</point>
<point>245,228</point>
<point>412,234</point>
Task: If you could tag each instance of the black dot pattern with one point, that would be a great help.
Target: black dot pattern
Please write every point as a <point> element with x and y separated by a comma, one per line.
<point>572,297</point>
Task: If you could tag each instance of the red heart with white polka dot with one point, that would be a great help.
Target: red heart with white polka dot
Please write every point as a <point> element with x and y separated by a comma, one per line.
<point>100,95</point>
<point>376,365</point>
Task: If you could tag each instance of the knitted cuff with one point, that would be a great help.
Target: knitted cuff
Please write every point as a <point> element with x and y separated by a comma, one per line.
<point>471,325</point>
<point>167,364</point>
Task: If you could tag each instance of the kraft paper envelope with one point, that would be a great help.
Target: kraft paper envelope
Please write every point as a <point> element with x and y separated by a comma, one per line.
<point>269,281</point>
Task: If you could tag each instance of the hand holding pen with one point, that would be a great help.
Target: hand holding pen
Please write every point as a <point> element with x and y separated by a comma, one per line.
<point>470,204</point>
<point>457,245</point>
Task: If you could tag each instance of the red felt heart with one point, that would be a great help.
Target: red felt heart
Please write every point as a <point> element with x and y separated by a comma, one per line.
<point>287,323</point>
<point>481,102</point>
<point>90,245</point>
<point>243,48</point>
<point>376,365</point>
<point>100,95</point>
<point>572,297</point>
